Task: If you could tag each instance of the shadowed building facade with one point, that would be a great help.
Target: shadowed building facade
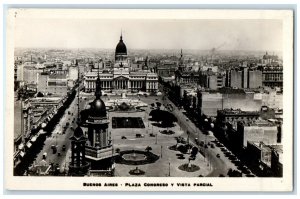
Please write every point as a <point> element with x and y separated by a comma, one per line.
<point>99,148</point>
<point>78,166</point>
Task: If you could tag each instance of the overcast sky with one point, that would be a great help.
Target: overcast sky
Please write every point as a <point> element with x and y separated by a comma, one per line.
<point>150,34</point>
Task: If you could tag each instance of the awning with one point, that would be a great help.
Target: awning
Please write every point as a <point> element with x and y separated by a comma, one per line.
<point>42,132</point>
<point>44,125</point>
<point>22,154</point>
<point>33,139</point>
<point>21,146</point>
<point>28,144</point>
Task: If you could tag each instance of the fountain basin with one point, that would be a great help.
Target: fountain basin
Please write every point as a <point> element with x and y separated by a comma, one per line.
<point>136,157</point>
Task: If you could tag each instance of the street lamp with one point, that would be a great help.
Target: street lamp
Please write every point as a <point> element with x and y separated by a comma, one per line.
<point>161,150</point>
<point>169,169</point>
<point>207,159</point>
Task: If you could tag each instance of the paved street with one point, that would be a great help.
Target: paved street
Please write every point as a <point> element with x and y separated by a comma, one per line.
<point>58,139</point>
<point>219,165</point>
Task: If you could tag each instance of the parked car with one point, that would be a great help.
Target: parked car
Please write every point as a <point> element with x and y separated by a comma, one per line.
<point>54,150</point>
<point>123,137</point>
<point>218,155</point>
<point>138,135</point>
<point>44,156</point>
<point>63,148</point>
<point>201,143</point>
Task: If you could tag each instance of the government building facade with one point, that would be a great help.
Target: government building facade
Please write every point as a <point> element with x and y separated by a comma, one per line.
<point>122,76</point>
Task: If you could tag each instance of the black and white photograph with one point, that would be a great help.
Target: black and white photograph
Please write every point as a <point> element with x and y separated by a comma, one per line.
<point>149,99</point>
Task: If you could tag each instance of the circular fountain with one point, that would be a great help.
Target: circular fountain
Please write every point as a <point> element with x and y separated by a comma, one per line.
<point>136,157</point>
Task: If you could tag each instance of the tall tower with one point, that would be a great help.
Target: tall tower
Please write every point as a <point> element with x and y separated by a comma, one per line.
<point>181,65</point>
<point>99,150</point>
<point>78,166</point>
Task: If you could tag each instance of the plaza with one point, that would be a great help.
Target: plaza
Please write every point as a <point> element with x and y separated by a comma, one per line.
<point>151,136</point>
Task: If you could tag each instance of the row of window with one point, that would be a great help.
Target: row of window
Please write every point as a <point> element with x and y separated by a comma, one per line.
<point>273,77</point>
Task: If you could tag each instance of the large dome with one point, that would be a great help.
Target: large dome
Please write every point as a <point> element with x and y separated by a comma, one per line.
<point>121,48</point>
<point>97,108</point>
<point>78,132</point>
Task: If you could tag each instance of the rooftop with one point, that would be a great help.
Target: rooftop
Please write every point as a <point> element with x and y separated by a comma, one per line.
<point>259,123</point>
<point>57,76</point>
<point>237,112</point>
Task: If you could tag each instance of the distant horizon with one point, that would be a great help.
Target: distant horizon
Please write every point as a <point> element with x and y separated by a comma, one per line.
<point>167,34</point>
<point>144,49</point>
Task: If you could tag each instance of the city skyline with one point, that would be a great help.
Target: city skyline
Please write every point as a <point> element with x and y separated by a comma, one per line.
<point>221,34</point>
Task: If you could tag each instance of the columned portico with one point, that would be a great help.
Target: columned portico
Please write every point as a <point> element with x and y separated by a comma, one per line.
<point>120,77</point>
<point>121,82</point>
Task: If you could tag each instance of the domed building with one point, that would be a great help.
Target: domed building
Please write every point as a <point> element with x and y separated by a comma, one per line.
<point>121,51</point>
<point>99,148</point>
<point>122,76</point>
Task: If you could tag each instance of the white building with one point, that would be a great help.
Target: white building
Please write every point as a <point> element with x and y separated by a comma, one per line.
<point>121,77</point>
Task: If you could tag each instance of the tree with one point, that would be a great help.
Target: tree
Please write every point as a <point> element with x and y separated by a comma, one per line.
<point>185,100</point>
<point>182,148</point>
<point>194,151</point>
<point>156,115</point>
<point>148,149</point>
<point>194,104</point>
<point>158,104</point>
<point>166,118</point>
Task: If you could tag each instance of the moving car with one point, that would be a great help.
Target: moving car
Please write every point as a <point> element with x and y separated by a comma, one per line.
<point>54,149</point>
<point>218,155</point>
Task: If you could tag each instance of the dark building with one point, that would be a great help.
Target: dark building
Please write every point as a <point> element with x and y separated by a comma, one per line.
<point>276,161</point>
<point>99,150</point>
<point>227,123</point>
<point>121,51</point>
<point>78,166</point>
<point>166,69</point>
<point>186,77</point>
<point>272,76</point>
